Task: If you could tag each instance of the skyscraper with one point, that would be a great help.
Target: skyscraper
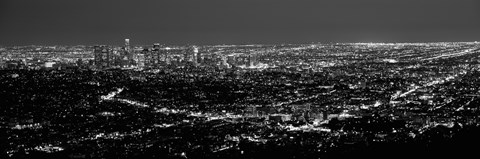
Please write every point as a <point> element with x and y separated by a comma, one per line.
<point>127,56</point>
<point>201,52</point>
<point>102,56</point>
<point>187,54</point>
<point>149,57</point>
<point>159,53</point>
<point>127,44</point>
<point>190,55</point>
<point>195,56</point>
<point>155,56</point>
<point>140,60</point>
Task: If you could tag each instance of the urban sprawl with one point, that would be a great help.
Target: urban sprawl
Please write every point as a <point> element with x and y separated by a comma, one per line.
<point>335,100</point>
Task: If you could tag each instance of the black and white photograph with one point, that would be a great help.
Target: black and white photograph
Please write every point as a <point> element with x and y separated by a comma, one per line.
<point>239,79</point>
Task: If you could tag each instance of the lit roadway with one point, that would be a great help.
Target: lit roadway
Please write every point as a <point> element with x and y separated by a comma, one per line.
<point>438,81</point>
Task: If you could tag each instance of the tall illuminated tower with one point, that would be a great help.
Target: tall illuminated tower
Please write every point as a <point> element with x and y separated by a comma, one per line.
<point>148,57</point>
<point>195,56</point>
<point>127,45</point>
<point>201,52</point>
<point>155,55</point>
<point>102,55</point>
<point>126,57</point>
<point>187,54</point>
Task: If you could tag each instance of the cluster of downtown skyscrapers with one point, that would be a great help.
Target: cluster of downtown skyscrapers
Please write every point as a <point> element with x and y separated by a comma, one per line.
<point>160,56</point>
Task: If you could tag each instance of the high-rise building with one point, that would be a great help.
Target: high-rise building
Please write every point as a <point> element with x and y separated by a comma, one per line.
<point>149,57</point>
<point>140,60</point>
<point>127,44</point>
<point>201,52</point>
<point>102,56</point>
<point>127,55</point>
<point>160,54</point>
<point>195,56</point>
<point>156,56</point>
<point>188,54</point>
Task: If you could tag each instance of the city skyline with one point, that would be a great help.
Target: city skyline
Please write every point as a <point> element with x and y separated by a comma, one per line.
<point>292,101</point>
<point>54,22</point>
<point>239,79</point>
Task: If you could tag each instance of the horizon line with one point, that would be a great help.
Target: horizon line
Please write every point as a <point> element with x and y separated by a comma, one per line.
<point>244,44</point>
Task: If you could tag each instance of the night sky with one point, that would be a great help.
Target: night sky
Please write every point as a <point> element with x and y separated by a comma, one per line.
<point>72,22</point>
